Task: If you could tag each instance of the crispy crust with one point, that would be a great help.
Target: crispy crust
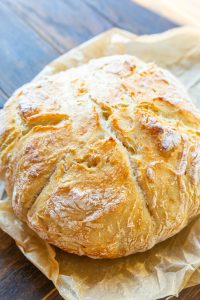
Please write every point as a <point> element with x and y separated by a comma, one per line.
<point>102,160</point>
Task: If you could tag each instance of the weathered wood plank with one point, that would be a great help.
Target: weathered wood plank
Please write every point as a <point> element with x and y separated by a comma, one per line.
<point>64,24</point>
<point>131,16</point>
<point>52,295</point>
<point>192,293</point>
<point>3,98</point>
<point>19,279</point>
<point>23,52</point>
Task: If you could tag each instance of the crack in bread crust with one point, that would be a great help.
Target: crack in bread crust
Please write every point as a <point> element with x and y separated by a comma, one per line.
<point>129,154</point>
<point>129,174</point>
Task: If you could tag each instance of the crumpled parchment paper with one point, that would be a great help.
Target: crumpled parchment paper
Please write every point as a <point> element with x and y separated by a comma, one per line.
<point>171,265</point>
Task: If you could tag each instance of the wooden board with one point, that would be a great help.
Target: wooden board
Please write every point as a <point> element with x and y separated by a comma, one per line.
<point>59,22</point>
<point>3,98</point>
<point>130,16</point>
<point>32,33</point>
<point>22,51</point>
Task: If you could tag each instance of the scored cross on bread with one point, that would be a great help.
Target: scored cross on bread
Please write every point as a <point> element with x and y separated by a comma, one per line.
<point>103,159</point>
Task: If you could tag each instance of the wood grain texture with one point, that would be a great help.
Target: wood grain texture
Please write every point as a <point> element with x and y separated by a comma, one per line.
<point>52,295</point>
<point>130,16</point>
<point>23,53</point>
<point>19,279</point>
<point>3,98</point>
<point>192,293</point>
<point>64,24</point>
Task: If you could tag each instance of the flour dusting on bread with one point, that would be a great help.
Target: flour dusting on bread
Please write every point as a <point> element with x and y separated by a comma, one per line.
<point>102,160</point>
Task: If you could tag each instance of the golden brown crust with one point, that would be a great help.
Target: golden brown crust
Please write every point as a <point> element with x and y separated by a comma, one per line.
<point>104,159</point>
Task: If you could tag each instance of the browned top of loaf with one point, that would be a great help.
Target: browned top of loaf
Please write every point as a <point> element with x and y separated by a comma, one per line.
<point>102,159</point>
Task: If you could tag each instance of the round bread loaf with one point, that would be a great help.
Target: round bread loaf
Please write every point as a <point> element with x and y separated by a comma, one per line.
<point>102,160</point>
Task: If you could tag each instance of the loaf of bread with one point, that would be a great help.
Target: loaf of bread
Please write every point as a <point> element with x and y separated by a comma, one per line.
<point>102,160</point>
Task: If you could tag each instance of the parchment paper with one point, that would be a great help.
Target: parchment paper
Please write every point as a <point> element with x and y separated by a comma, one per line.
<point>168,267</point>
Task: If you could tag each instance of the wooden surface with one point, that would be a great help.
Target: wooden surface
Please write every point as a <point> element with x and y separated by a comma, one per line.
<point>186,12</point>
<point>32,33</point>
